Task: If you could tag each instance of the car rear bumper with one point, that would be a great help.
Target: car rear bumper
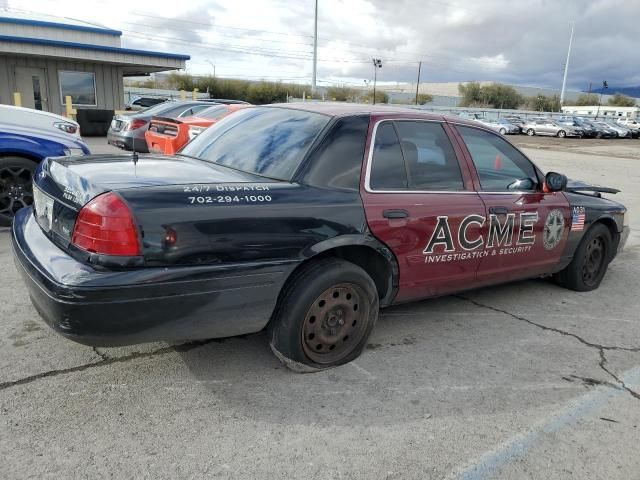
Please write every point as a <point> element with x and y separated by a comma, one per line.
<point>109,308</point>
<point>127,142</point>
<point>158,143</point>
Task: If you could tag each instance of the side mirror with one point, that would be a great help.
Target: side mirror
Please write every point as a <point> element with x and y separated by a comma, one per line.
<point>555,182</point>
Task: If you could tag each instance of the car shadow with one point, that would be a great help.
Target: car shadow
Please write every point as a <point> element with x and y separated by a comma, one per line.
<point>438,357</point>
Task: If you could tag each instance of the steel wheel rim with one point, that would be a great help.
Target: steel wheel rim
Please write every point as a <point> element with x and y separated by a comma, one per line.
<point>593,260</point>
<point>335,323</point>
<point>16,190</point>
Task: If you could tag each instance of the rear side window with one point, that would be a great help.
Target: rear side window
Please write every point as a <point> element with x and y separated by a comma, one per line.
<point>499,165</point>
<point>387,168</point>
<point>414,155</point>
<point>429,156</point>
<point>338,160</point>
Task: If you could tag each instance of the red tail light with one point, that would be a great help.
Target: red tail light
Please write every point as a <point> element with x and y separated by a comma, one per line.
<point>105,225</point>
<point>135,124</point>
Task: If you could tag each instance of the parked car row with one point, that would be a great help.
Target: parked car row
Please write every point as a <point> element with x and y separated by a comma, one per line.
<point>128,131</point>
<point>565,126</point>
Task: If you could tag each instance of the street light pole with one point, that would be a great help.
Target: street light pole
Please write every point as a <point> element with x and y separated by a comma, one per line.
<point>315,51</point>
<point>377,63</point>
<point>566,68</point>
<point>418,82</point>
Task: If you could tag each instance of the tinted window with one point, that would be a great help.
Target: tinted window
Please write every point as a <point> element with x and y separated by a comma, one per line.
<point>267,141</point>
<point>338,160</point>
<point>431,161</point>
<point>213,113</point>
<point>387,168</point>
<point>499,165</point>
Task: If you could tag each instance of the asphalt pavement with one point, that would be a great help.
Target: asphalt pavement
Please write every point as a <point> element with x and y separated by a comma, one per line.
<point>525,380</point>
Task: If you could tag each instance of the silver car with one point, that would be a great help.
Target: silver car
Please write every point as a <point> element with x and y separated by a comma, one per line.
<point>548,126</point>
<point>501,126</point>
<point>127,131</point>
<point>621,131</point>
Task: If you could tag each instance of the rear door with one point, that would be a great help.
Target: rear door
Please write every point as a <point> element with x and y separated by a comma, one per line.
<point>526,229</point>
<point>418,198</point>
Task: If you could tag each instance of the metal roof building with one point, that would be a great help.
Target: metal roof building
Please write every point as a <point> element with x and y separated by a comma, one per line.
<point>46,58</point>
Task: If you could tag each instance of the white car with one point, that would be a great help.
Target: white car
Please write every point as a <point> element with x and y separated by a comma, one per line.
<point>29,117</point>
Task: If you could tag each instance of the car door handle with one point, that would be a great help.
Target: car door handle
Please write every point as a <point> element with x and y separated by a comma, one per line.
<point>499,210</point>
<point>395,214</point>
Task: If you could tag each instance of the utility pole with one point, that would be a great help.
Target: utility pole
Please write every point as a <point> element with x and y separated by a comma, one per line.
<point>418,82</point>
<point>566,67</point>
<point>377,63</point>
<point>315,51</point>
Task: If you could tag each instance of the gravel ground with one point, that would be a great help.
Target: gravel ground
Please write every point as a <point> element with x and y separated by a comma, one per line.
<point>525,380</point>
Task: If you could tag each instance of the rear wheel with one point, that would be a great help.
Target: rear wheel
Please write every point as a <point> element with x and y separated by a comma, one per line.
<point>325,316</point>
<point>16,191</point>
<point>590,262</point>
<point>531,132</point>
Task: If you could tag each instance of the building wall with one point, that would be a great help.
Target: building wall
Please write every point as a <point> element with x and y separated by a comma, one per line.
<point>109,86</point>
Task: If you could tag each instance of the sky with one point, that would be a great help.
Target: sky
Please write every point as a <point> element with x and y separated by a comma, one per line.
<point>519,42</point>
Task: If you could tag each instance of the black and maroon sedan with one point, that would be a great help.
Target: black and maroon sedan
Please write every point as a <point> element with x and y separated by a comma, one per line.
<point>302,219</point>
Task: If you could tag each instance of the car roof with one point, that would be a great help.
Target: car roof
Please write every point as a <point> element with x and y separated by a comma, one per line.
<point>338,109</point>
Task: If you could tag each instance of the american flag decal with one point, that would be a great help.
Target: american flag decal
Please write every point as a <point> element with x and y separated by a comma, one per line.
<point>577,219</point>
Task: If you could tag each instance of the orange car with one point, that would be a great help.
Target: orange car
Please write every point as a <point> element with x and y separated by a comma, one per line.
<point>168,135</point>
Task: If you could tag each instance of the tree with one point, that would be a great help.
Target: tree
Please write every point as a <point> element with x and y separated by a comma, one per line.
<point>619,100</point>
<point>381,97</point>
<point>424,98</point>
<point>543,103</point>
<point>495,95</point>
<point>342,94</point>
<point>501,96</point>
<point>587,99</point>
<point>471,93</point>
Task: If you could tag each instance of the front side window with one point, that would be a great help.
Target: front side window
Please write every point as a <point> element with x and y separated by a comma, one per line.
<point>267,141</point>
<point>80,86</point>
<point>499,165</point>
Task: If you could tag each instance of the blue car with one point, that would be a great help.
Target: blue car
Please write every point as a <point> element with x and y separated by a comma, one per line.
<point>21,150</point>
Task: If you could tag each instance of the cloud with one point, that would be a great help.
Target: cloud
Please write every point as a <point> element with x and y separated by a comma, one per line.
<point>521,42</point>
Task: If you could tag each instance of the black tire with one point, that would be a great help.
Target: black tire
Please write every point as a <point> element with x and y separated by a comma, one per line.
<point>324,316</point>
<point>599,135</point>
<point>590,262</point>
<point>16,190</point>
<point>561,134</point>
<point>531,132</point>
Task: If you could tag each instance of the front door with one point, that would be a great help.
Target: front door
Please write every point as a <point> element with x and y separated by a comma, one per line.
<point>526,229</point>
<point>421,204</point>
<point>31,82</point>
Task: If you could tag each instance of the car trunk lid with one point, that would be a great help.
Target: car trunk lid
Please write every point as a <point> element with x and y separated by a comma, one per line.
<point>63,185</point>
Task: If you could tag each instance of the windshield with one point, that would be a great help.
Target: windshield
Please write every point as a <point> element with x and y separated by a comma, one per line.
<point>266,141</point>
<point>158,108</point>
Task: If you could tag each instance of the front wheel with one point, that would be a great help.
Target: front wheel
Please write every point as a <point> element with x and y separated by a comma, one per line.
<point>324,316</point>
<point>531,132</point>
<point>562,133</point>
<point>590,261</point>
<point>503,131</point>
<point>16,176</point>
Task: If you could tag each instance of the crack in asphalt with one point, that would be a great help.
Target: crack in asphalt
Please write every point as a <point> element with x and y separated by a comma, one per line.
<point>106,360</point>
<point>601,348</point>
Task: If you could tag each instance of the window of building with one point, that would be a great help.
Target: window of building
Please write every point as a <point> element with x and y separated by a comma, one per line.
<point>80,86</point>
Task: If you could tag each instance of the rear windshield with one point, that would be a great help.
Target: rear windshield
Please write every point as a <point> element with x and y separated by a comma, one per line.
<point>213,113</point>
<point>270,142</point>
